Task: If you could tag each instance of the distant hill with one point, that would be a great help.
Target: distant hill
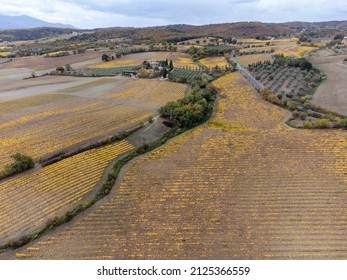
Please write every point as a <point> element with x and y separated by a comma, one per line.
<point>22,22</point>
<point>33,33</point>
<point>178,32</point>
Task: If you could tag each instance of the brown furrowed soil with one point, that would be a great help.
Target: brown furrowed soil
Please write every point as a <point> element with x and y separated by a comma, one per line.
<point>240,187</point>
<point>332,93</point>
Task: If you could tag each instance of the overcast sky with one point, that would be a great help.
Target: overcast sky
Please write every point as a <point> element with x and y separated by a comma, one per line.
<point>107,13</point>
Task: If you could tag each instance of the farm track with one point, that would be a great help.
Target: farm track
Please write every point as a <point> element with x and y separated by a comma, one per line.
<point>240,187</point>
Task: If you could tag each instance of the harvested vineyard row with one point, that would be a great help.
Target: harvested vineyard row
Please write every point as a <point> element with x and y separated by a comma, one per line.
<point>57,121</point>
<point>241,187</point>
<point>214,61</point>
<point>31,200</point>
<point>52,131</point>
<point>14,106</point>
<point>239,205</point>
<point>179,60</point>
<point>118,63</point>
<point>89,85</point>
<point>240,107</point>
<point>153,93</point>
<point>245,60</point>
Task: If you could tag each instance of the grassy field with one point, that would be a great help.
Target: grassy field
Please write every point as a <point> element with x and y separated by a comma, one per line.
<point>243,186</point>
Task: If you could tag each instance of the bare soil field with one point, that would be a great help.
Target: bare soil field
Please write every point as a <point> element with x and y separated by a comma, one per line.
<point>38,81</point>
<point>332,93</point>
<point>10,90</point>
<point>240,187</point>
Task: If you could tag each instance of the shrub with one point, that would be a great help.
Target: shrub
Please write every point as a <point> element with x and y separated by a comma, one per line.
<point>284,103</point>
<point>60,69</point>
<point>323,123</point>
<point>292,105</point>
<point>302,116</point>
<point>21,163</point>
<point>343,123</point>
<point>308,125</point>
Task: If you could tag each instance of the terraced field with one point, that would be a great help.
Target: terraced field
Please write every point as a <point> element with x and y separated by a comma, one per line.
<point>30,201</point>
<point>242,186</point>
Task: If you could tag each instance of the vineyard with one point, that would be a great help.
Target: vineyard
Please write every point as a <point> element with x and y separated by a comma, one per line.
<point>45,124</point>
<point>212,62</point>
<point>118,63</point>
<point>131,60</point>
<point>245,60</point>
<point>287,47</point>
<point>30,201</point>
<point>43,133</point>
<point>104,71</point>
<point>152,93</point>
<point>180,60</point>
<point>240,187</point>
<point>184,75</point>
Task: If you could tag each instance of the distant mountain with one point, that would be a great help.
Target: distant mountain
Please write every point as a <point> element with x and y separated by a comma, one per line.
<point>172,33</point>
<point>23,22</point>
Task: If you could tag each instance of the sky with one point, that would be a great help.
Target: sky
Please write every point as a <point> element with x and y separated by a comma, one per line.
<point>135,13</point>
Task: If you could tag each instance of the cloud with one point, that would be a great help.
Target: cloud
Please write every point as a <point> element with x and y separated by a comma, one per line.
<point>106,13</point>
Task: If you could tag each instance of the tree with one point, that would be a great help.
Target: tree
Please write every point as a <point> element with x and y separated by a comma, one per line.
<point>164,73</point>
<point>146,64</point>
<point>171,67</point>
<point>105,57</point>
<point>60,69</point>
<point>21,163</point>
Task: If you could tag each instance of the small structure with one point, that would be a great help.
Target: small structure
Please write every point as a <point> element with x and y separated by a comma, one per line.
<point>128,73</point>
